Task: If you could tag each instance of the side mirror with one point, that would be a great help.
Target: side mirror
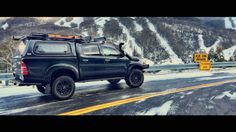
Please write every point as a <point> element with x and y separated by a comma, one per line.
<point>121,48</point>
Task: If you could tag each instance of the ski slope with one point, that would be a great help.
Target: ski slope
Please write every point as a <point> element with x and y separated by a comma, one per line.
<point>163,42</point>
<point>230,24</point>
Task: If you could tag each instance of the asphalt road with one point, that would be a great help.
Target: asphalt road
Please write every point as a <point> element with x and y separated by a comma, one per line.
<point>185,93</point>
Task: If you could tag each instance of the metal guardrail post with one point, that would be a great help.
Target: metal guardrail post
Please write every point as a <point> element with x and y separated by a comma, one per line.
<point>5,82</point>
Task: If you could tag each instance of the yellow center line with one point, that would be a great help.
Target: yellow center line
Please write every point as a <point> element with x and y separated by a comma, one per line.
<point>146,96</point>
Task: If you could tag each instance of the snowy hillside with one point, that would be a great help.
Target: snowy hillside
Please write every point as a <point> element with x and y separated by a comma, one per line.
<point>230,23</point>
<point>176,41</point>
<point>157,40</point>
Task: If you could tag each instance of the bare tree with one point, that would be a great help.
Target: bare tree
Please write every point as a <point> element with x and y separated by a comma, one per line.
<point>7,50</point>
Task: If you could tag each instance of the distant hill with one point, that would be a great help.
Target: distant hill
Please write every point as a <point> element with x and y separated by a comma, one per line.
<point>159,40</point>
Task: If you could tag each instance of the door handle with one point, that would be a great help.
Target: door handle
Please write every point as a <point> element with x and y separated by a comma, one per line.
<point>85,60</point>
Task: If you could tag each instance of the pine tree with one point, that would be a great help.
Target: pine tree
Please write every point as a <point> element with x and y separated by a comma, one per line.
<point>211,54</point>
<point>219,54</point>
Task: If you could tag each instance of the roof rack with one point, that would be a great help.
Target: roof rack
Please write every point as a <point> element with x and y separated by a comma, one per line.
<point>59,37</point>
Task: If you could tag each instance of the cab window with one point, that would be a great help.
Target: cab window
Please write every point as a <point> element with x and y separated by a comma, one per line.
<point>109,50</point>
<point>89,49</point>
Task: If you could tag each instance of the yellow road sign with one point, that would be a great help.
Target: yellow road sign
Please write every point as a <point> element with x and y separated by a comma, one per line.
<point>200,57</point>
<point>205,65</point>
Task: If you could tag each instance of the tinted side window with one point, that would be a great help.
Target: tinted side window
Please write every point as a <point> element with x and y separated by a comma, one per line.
<point>52,48</point>
<point>110,51</point>
<point>90,50</point>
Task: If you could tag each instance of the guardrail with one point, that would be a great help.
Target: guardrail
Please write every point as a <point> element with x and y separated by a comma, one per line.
<point>172,67</point>
<point>188,66</point>
<point>5,77</point>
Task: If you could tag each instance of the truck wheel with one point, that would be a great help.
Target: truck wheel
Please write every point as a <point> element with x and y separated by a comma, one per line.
<point>63,87</point>
<point>114,81</point>
<point>135,78</point>
<point>41,89</point>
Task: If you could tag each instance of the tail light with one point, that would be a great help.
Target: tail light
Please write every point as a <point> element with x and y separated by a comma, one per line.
<point>24,70</point>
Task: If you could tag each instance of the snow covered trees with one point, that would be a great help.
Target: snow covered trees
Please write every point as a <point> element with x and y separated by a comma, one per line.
<point>7,51</point>
<point>216,56</point>
<point>112,29</point>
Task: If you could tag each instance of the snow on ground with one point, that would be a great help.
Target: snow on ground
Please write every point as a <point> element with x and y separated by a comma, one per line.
<point>183,94</point>
<point>210,107</point>
<point>163,42</point>
<point>14,90</point>
<point>84,34</point>
<point>125,96</point>
<point>131,43</point>
<point>167,75</point>
<point>7,112</point>
<point>100,21</point>
<point>229,24</point>
<point>202,45</point>
<point>140,101</point>
<point>162,110</point>
<point>214,45</point>
<point>138,27</point>
<point>188,93</point>
<point>214,78</point>
<point>18,90</point>
<point>166,61</point>
<point>229,52</point>
<point>234,21</point>
<point>227,94</point>
<point>146,61</point>
<point>5,26</point>
<point>201,42</point>
<point>76,20</point>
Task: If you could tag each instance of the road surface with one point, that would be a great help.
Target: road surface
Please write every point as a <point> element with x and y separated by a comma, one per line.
<point>168,93</point>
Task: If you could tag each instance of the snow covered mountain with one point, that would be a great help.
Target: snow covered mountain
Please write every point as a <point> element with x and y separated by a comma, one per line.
<point>230,22</point>
<point>158,40</point>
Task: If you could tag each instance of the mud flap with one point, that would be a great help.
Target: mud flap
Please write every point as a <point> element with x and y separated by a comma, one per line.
<point>48,89</point>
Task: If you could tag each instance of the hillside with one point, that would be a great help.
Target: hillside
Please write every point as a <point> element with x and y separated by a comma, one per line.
<point>160,40</point>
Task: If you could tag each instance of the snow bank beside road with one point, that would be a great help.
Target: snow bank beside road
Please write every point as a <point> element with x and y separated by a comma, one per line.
<point>161,110</point>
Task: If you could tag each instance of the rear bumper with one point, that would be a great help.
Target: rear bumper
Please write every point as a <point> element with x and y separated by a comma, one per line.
<point>21,83</point>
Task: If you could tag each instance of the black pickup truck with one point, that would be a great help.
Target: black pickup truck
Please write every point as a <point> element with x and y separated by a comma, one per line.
<point>55,62</point>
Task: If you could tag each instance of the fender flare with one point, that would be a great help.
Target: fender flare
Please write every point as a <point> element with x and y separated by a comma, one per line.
<point>61,66</point>
<point>132,65</point>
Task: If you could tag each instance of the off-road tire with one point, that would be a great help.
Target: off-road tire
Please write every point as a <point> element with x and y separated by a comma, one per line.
<point>63,87</point>
<point>135,78</point>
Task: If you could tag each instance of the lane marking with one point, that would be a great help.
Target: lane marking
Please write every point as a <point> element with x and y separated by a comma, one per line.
<point>146,96</point>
